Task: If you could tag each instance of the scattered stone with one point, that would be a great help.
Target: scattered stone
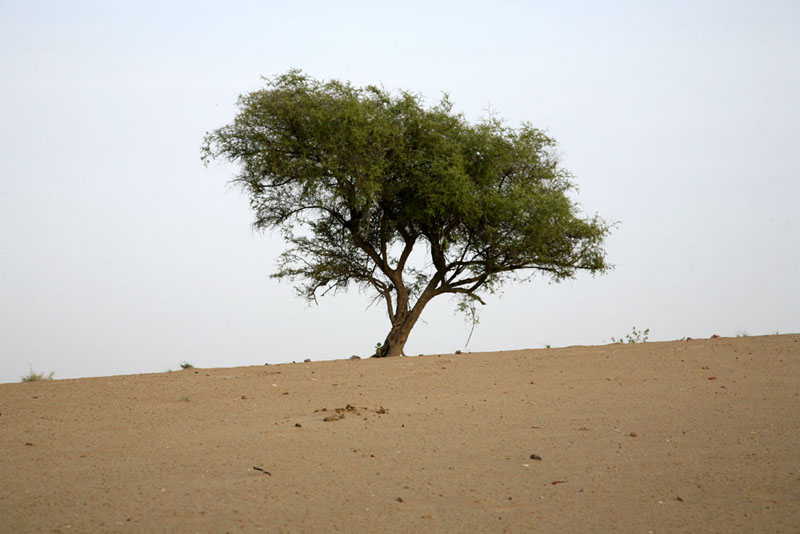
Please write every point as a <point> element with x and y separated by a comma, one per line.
<point>399,499</point>
<point>298,425</point>
<point>244,397</point>
<point>458,352</point>
<point>678,499</point>
<point>632,434</point>
<point>535,457</point>
<point>350,409</point>
<point>712,377</point>
<point>354,357</point>
<point>28,444</point>
<point>307,360</point>
<point>716,336</point>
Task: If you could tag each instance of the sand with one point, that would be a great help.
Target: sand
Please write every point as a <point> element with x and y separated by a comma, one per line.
<point>683,436</point>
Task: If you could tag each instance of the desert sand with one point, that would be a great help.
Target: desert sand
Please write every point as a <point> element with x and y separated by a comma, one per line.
<point>682,436</point>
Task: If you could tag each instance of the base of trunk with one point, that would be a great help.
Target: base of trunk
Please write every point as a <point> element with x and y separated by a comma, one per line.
<point>401,327</point>
<point>392,346</point>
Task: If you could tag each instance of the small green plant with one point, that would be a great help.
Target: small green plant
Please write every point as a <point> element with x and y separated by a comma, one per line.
<point>186,365</point>
<point>379,350</point>
<point>35,377</point>
<point>184,398</point>
<point>636,336</point>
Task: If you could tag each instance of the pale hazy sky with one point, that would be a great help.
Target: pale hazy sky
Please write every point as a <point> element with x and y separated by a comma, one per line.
<point>121,253</point>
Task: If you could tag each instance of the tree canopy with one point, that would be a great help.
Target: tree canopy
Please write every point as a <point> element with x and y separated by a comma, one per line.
<point>356,178</point>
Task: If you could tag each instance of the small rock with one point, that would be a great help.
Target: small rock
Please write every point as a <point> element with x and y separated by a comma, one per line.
<point>354,357</point>
<point>716,336</point>
<point>678,499</point>
<point>307,360</point>
<point>298,425</point>
<point>399,499</point>
<point>632,434</point>
<point>712,377</point>
<point>535,457</point>
<point>244,397</point>
<point>458,352</point>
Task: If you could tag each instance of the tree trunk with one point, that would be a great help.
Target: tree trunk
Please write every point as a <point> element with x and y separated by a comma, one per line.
<point>398,335</point>
<point>394,342</point>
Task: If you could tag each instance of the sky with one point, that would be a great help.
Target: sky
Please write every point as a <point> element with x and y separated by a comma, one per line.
<point>120,252</point>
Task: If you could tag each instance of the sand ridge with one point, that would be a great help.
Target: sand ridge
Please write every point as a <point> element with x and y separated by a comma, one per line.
<point>696,435</point>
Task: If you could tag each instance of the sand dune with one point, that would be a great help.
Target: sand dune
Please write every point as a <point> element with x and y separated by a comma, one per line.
<point>685,436</point>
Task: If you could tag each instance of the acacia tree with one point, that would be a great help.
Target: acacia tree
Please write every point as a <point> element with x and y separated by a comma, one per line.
<point>356,178</point>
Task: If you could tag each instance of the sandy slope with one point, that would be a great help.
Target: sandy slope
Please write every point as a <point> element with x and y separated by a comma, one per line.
<point>686,436</point>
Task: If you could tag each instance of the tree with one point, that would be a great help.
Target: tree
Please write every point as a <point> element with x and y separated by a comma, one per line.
<point>356,178</point>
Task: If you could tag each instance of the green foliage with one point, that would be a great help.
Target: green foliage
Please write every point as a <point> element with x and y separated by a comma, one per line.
<point>636,336</point>
<point>35,377</point>
<point>186,365</point>
<point>355,178</point>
